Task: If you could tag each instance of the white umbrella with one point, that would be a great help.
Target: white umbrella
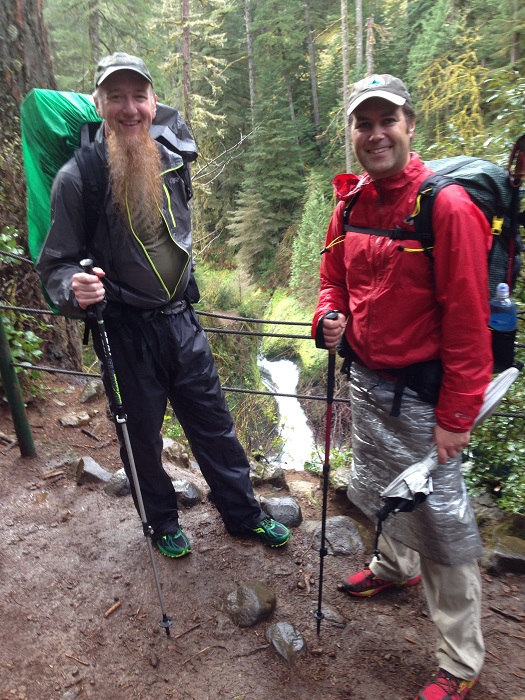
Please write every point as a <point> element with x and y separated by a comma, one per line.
<point>495,391</point>
<point>414,484</point>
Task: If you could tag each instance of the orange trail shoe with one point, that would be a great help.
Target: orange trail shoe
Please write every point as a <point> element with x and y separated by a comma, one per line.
<point>365,584</point>
<point>444,686</point>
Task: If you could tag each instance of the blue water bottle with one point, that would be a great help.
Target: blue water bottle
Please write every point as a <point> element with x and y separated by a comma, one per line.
<point>503,324</point>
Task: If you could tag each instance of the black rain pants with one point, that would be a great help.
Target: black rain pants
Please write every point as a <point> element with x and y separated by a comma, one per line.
<point>160,356</point>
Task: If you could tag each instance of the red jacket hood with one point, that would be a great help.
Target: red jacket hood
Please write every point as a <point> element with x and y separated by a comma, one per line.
<point>345,185</point>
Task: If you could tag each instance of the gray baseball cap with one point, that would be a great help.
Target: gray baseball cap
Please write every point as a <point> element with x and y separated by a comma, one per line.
<point>120,61</point>
<point>385,86</point>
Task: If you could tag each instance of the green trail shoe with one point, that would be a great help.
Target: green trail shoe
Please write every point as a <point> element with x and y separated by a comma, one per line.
<point>271,533</point>
<point>174,545</point>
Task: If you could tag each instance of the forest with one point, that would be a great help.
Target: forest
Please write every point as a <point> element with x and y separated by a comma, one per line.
<point>263,86</point>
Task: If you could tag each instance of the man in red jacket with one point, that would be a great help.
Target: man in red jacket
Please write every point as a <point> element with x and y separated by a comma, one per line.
<point>415,328</point>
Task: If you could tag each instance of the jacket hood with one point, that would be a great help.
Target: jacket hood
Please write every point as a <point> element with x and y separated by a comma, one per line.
<point>346,185</point>
<point>169,129</point>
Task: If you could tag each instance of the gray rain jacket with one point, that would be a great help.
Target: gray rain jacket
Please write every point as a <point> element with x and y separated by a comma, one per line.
<point>130,276</point>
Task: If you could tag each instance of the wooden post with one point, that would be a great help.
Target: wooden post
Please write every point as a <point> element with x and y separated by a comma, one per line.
<point>14,397</point>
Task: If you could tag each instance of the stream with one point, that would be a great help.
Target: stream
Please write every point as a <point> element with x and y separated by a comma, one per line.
<point>298,441</point>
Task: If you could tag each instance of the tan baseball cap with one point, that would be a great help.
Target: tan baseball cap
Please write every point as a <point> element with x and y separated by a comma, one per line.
<point>385,86</point>
<point>120,61</point>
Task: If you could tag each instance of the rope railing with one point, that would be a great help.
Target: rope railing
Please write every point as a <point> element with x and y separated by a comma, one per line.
<point>15,257</point>
<point>229,389</point>
<point>225,331</point>
<point>236,390</point>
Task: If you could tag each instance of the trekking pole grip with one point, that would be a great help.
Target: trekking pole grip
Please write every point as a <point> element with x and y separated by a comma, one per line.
<point>333,315</point>
<point>107,359</point>
<point>87,265</point>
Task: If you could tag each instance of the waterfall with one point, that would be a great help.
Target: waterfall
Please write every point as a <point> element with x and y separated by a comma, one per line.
<point>298,441</point>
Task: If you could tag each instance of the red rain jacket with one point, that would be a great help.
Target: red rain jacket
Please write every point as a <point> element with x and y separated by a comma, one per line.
<point>401,308</point>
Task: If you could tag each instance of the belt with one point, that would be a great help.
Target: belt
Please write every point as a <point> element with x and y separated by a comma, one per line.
<point>172,308</point>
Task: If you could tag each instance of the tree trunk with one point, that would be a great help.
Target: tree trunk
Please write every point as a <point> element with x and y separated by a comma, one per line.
<point>370,45</point>
<point>359,35</point>
<point>24,51</point>
<point>93,31</point>
<point>186,62</point>
<point>249,48</point>
<point>346,94</point>
<point>24,64</point>
<point>516,37</point>
<point>313,74</point>
<point>289,93</point>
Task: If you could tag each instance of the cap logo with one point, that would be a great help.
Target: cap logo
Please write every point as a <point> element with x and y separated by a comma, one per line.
<point>375,81</point>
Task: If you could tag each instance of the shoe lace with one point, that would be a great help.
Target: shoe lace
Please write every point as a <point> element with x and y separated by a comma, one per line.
<point>446,681</point>
<point>267,522</point>
<point>172,537</point>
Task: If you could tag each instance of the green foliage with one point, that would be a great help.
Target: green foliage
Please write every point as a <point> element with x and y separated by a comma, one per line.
<point>309,240</point>
<point>20,329</point>
<point>285,307</point>
<point>500,28</point>
<point>396,35</point>
<point>24,344</point>
<point>12,181</point>
<point>340,458</point>
<point>82,31</point>
<point>255,416</point>
<point>450,97</point>
<point>229,290</point>
<point>497,451</point>
<point>497,454</point>
<point>434,30</point>
<point>270,193</point>
<point>9,243</point>
<point>171,428</point>
<point>504,91</point>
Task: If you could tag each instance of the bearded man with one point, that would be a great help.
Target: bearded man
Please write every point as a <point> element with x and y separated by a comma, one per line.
<point>140,243</point>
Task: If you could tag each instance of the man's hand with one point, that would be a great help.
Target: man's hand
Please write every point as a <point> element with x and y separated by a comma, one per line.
<point>449,444</point>
<point>333,329</point>
<point>88,289</point>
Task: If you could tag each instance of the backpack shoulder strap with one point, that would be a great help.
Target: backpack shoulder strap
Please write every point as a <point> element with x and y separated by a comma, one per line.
<point>94,178</point>
<point>348,208</point>
<point>394,233</point>
<point>421,217</point>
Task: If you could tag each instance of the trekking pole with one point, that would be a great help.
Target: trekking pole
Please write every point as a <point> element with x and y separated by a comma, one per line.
<point>120,418</point>
<point>326,472</point>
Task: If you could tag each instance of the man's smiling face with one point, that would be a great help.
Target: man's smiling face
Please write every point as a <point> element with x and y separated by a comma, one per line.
<point>126,102</point>
<point>382,137</point>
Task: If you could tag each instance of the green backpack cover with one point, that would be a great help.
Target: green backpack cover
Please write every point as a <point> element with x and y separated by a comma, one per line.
<point>51,122</point>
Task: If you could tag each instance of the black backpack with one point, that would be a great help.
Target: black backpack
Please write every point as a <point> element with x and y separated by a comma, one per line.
<point>496,192</point>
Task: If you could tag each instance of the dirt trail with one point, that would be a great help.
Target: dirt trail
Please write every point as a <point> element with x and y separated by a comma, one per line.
<point>69,553</point>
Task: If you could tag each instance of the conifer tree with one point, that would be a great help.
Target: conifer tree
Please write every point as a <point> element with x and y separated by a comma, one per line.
<point>270,192</point>
<point>309,240</point>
